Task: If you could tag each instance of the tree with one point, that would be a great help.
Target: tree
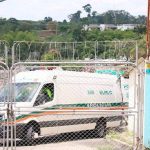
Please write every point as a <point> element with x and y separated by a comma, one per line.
<point>25,26</point>
<point>63,27</point>
<point>140,29</point>
<point>78,13</point>
<point>13,20</point>
<point>2,0</point>
<point>94,13</point>
<point>3,21</point>
<point>48,19</point>
<point>141,19</point>
<point>75,17</point>
<point>19,36</point>
<point>87,9</point>
<point>94,17</point>
<point>118,17</point>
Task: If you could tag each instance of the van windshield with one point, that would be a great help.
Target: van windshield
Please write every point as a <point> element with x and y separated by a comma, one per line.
<point>23,92</point>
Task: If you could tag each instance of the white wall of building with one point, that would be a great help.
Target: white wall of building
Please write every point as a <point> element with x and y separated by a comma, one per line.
<point>133,97</point>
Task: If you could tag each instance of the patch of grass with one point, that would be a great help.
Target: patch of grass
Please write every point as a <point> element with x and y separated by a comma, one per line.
<point>123,136</point>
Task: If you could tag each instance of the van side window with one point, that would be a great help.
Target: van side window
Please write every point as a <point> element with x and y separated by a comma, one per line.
<point>46,94</point>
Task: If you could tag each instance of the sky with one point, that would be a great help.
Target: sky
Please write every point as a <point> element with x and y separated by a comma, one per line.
<point>60,9</point>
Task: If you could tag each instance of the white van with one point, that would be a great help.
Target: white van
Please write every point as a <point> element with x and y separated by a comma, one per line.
<point>40,95</point>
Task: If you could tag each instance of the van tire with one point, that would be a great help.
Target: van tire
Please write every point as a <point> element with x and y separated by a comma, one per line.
<point>100,128</point>
<point>31,130</point>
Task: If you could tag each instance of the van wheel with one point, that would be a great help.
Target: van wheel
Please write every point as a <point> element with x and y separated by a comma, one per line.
<point>100,128</point>
<point>32,132</point>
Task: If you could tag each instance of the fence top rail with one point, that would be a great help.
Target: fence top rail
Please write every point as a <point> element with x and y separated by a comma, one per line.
<point>4,42</point>
<point>116,41</point>
<point>4,65</point>
<point>76,62</point>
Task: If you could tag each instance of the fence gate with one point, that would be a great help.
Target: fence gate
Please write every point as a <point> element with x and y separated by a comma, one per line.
<point>75,105</point>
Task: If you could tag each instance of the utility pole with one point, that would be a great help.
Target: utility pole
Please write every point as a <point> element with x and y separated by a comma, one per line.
<point>148,31</point>
<point>146,125</point>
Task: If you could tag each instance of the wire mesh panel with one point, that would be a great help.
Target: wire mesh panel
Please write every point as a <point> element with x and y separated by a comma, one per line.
<point>4,100</point>
<point>74,105</point>
<point>2,133</point>
<point>68,51</point>
<point>4,51</point>
<point>4,81</point>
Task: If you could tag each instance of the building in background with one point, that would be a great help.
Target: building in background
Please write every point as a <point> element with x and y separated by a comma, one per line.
<point>124,27</point>
<point>103,27</point>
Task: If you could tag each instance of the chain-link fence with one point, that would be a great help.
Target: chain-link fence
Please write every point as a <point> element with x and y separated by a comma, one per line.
<point>72,105</point>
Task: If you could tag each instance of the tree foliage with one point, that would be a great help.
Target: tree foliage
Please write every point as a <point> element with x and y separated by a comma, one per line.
<point>19,36</point>
<point>87,9</point>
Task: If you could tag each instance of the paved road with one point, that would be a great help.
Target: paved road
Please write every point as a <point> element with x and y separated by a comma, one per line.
<point>88,144</point>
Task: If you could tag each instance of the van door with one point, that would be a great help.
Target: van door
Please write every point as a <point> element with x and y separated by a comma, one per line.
<point>46,118</point>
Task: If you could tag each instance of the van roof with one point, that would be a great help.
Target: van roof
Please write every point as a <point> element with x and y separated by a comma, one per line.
<point>48,75</point>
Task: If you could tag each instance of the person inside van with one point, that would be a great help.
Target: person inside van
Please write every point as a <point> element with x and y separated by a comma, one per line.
<point>46,95</point>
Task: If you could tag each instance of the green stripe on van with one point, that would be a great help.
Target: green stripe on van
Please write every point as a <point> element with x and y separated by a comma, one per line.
<point>83,105</point>
<point>88,105</point>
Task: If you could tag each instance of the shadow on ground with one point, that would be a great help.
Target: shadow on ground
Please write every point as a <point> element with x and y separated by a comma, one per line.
<point>63,137</point>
